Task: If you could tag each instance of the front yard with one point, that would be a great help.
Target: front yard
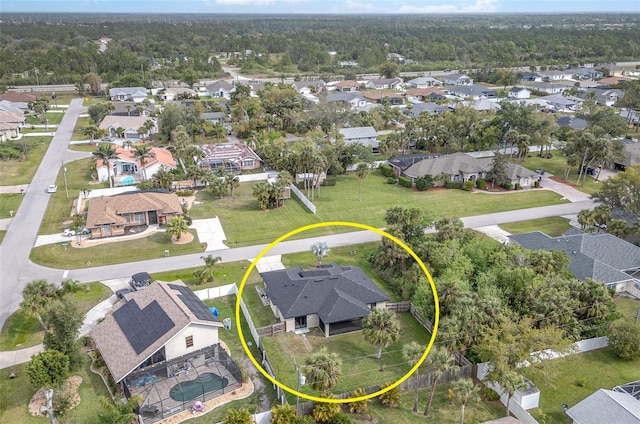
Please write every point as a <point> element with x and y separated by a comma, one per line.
<point>9,203</point>
<point>14,172</point>
<point>553,227</point>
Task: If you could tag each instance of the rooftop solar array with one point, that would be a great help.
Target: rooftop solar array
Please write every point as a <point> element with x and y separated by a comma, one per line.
<point>195,305</point>
<point>142,327</point>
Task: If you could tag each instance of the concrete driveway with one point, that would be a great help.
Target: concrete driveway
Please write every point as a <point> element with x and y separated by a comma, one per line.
<point>210,231</point>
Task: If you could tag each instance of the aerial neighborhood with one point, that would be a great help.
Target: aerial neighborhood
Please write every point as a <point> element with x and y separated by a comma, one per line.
<point>298,220</point>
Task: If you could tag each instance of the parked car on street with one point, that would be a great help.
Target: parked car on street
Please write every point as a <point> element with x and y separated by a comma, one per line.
<point>52,188</point>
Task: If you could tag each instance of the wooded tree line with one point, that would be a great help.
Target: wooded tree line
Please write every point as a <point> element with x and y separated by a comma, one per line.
<point>64,52</point>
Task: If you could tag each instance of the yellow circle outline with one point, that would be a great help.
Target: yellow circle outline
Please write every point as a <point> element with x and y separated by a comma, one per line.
<point>328,224</point>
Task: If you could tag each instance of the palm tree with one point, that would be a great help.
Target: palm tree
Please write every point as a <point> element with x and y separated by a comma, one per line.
<point>210,263</point>
<point>194,173</point>
<point>143,152</point>
<point>412,352</point>
<point>619,228</point>
<point>237,416</point>
<point>442,362</point>
<point>232,182</point>
<point>105,152</point>
<point>118,412</point>
<point>163,178</point>
<point>361,406</point>
<point>511,381</point>
<point>92,132</point>
<point>466,392</point>
<point>177,226</point>
<point>322,369</point>
<point>361,171</point>
<point>283,414</point>
<point>323,412</point>
<point>380,329</point>
<point>37,296</point>
<point>320,249</point>
<point>585,218</point>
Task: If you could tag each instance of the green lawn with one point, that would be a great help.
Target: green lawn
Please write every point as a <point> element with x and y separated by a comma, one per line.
<point>598,369</point>
<point>360,367</point>
<point>151,247</point>
<point>441,412</point>
<point>244,223</point>
<point>226,273</point>
<point>9,202</point>
<point>13,172</point>
<point>628,307</point>
<point>2,234</point>
<point>556,166</point>
<point>553,226</point>
<point>17,393</point>
<point>81,124</point>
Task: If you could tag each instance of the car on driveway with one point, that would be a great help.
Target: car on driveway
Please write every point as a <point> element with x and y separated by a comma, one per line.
<point>540,171</point>
<point>69,232</point>
<point>52,188</point>
<point>140,281</point>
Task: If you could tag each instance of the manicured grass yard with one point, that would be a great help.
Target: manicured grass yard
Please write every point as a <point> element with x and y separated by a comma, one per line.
<point>599,369</point>
<point>553,226</point>
<point>13,172</point>
<point>9,202</point>
<point>244,223</point>
<point>360,367</point>
<point>81,124</point>
<point>627,307</point>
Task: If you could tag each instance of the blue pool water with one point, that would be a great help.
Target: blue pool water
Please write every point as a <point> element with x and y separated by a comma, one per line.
<point>128,180</point>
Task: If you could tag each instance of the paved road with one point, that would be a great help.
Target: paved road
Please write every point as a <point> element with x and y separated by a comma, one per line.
<point>15,267</point>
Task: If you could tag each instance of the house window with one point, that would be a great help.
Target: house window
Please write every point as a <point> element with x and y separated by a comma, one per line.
<point>455,178</point>
<point>247,163</point>
<point>188,341</point>
<point>127,218</point>
<point>106,229</point>
<point>138,217</point>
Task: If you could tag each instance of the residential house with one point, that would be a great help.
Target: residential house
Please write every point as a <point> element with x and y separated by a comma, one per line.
<point>332,297</point>
<point>423,94</point>
<point>600,257</point>
<point>547,87</point>
<point>213,117</point>
<point>131,125</point>
<point>173,93</point>
<point>424,82</point>
<point>605,96</point>
<point>126,169</point>
<point>584,73</point>
<point>575,122</point>
<point>13,96</point>
<point>11,124</point>
<point>352,99</point>
<point>631,154</point>
<point>480,105</point>
<point>606,406</point>
<point>473,91</point>
<point>221,89</point>
<point>379,96</point>
<point>122,94</point>
<point>124,213</point>
<point>431,108</point>
<point>348,86</point>
<point>159,342</point>
<point>133,109</point>
<point>563,102</point>
<point>457,79</point>
<point>519,93</point>
<point>348,64</point>
<point>531,77</point>
<point>18,107</point>
<point>363,135</point>
<point>554,75</point>
<point>234,158</point>
<point>464,167</point>
<point>401,163</point>
<point>255,86</point>
<point>384,83</point>
<point>310,87</point>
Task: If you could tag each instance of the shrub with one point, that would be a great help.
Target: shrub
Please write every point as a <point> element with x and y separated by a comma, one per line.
<point>518,186</point>
<point>404,182</point>
<point>341,418</point>
<point>581,382</point>
<point>391,180</point>
<point>481,184</point>
<point>453,184</point>
<point>468,185</point>
<point>624,339</point>
<point>425,183</point>
<point>329,182</point>
<point>184,193</point>
<point>386,170</point>
<point>507,186</point>
<point>488,394</point>
<point>536,184</point>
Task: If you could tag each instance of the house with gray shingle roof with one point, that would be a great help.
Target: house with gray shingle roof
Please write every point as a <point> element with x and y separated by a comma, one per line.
<point>354,100</point>
<point>136,94</point>
<point>364,135</point>
<point>332,297</point>
<point>606,406</point>
<point>601,257</point>
<point>220,88</point>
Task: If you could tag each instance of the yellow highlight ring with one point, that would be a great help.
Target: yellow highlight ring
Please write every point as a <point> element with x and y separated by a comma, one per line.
<point>329,224</point>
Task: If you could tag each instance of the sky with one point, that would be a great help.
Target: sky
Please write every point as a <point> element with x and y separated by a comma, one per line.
<point>320,6</point>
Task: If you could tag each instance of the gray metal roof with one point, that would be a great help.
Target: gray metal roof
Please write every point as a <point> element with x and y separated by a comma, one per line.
<point>358,132</point>
<point>333,292</point>
<point>606,406</point>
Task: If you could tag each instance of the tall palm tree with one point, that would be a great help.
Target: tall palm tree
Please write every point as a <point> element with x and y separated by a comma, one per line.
<point>412,352</point>
<point>440,361</point>
<point>232,182</point>
<point>91,131</point>
<point>381,329</point>
<point>37,296</point>
<point>585,218</point>
<point>361,171</point>
<point>163,178</point>
<point>465,392</point>
<point>142,153</point>
<point>194,173</point>
<point>210,263</point>
<point>511,381</point>
<point>322,369</point>
<point>177,226</point>
<point>106,153</point>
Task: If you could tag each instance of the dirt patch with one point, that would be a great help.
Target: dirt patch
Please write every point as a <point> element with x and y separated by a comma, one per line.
<point>561,181</point>
<point>69,390</point>
<point>186,238</point>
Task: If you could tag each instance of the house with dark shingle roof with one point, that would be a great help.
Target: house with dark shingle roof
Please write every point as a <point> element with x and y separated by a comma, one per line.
<point>600,257</point>
<point>332,297</point>
<point>116,215</point>
<point>606,406</point>
<point>136,94</point>
<point>159,342</point>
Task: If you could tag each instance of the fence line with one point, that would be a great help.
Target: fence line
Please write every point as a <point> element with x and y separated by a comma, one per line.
<point>404,306</point>
<point>245,178</point>
<point>270,330</point>
<point>303,198</point>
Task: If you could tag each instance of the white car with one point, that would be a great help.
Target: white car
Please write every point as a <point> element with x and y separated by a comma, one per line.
<point>69,232</point>
<point>52,188</point>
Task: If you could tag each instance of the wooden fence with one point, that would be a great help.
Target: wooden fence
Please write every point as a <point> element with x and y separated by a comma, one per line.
<point>270,330</point>
<point>404,306</point>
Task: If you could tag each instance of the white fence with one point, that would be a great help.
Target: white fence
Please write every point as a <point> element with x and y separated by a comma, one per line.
<point>214,292</point>
<point>303,198</point>
<point>247,178</point>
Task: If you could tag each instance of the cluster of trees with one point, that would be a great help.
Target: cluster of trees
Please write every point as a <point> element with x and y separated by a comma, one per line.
<point>69,52</point>
<point>599,219</point>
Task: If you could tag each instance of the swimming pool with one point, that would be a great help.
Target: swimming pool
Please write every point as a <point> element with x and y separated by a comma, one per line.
<point>128,180</point>
<point>204,383</point>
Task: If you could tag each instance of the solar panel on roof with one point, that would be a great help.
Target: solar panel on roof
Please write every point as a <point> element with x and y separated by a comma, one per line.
<point>142,327</point>
<point>194,303</point>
